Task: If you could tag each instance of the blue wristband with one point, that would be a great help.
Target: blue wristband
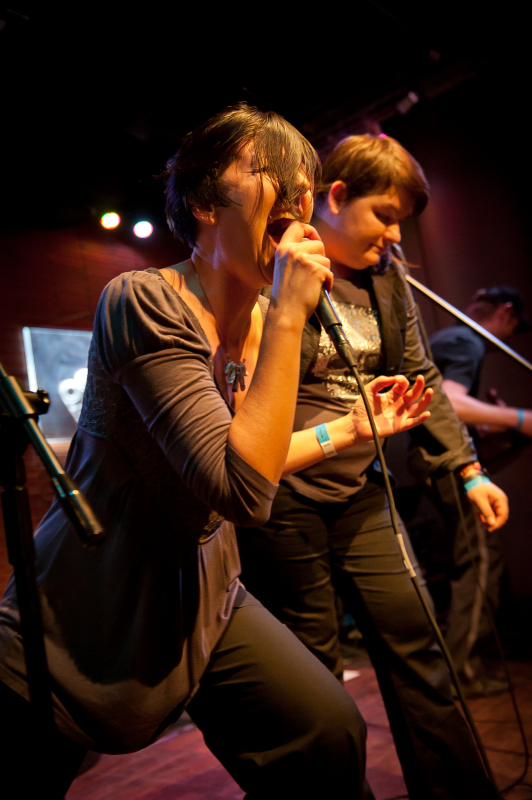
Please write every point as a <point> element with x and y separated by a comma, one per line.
<point>322,435</point>
<point>520,419</point>
<point>476,481</point>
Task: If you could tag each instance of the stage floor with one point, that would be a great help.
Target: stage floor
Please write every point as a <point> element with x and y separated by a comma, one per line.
<point>180,767</point>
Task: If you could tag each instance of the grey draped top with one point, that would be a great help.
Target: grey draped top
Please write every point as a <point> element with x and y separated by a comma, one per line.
<point>130,625</point>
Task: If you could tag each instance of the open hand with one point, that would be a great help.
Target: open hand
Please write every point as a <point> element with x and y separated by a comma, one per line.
<point>398,409</point>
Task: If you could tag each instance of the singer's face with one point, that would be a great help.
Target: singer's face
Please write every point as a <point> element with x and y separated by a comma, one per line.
<point>250,229</point>
<point>363,229</point>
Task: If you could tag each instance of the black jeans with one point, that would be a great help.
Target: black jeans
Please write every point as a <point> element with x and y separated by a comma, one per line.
<point>271,713</point>
<point>475,578</point>
<point>275,717</point>
<point>293,564</point>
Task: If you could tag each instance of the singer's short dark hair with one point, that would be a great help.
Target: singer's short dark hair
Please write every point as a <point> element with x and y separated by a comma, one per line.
<point>193,174</point>
<point>369,164</point>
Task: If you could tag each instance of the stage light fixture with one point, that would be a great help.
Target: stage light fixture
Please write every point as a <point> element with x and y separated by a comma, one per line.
<point>143,229</point>
<point>110,221</point>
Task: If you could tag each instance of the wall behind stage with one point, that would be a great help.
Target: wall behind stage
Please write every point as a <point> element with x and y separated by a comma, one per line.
<point>475,232</point>
<point>54,278</point>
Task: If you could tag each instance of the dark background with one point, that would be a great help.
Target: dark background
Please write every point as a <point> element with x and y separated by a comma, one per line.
<point>93,103</point>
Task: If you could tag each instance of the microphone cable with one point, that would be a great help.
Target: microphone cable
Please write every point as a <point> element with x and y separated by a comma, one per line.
<point>332,326</point>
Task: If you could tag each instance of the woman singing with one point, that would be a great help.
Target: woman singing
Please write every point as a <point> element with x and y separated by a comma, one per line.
<point>185,429</point>
<point>330,524</point>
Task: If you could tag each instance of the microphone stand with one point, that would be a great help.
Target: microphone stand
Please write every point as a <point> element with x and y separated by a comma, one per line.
<point>18,427</point>
<point>468,321</point>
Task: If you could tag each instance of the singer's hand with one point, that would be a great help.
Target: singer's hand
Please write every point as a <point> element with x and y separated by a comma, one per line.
<point>398,409</point>
<point>301,270</point>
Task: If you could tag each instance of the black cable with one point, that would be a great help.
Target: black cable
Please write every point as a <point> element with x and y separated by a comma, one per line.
<point>332,325</point>
<point>417,587</point>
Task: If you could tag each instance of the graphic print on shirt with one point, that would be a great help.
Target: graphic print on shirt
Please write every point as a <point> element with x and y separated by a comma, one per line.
<point>361,326</point>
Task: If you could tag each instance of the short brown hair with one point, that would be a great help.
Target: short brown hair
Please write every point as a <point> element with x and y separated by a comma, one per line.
<point>371,165</point>
<point>485,302</point>
<point>193,174</point>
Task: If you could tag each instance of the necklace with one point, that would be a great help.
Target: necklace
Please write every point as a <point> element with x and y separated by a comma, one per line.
<point>235,374</point>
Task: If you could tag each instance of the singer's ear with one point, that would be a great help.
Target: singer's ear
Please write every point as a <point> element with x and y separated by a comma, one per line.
<point>337,196</point>
<point>205,215</point>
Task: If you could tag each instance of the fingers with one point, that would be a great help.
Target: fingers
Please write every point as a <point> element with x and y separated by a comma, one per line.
<point>413,422</point>
<point>423,403</point>
<point>400,386</point>
<point>400,390</point>
<point>416,389</point>
<point>412,399</point>
<point>297,231</point>
<point>377,384</point>
<point>301,268</point>
<point>499,506</point>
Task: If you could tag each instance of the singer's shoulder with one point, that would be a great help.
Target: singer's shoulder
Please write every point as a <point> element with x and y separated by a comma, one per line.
<point>142,293</point>
<point>134,283</point>
<point>138,314</point>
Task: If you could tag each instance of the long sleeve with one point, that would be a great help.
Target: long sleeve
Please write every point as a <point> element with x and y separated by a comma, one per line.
<point>151,345</point>
<point>442,442</point>
<point>130,625</point>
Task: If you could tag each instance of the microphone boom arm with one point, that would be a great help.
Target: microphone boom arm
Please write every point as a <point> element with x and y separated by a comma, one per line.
<point>468,321</point>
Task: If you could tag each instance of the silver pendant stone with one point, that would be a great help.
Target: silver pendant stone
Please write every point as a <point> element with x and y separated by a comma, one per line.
<point>235,375</point>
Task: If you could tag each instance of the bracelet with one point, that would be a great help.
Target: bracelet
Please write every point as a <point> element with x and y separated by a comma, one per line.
<point>324,439</point>
<point>520,419</point>
<point>475,467</point>
<point>476,481</point>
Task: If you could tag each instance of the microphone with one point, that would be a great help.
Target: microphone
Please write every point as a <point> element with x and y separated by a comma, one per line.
<point>331,324</point>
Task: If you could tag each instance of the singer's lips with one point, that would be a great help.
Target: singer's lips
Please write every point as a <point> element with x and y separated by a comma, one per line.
<point>277,228</point>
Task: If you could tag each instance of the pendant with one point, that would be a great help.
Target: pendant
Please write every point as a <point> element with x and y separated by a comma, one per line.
<point>235,375</point>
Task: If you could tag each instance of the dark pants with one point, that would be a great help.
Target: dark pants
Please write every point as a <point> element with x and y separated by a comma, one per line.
<point>293,565</point>
<point>475,580</point>
<point>275,717</point>
<point>272,714</point>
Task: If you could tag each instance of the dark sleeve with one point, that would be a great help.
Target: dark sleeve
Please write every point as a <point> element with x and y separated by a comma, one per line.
<point>147,342</point>
<point>443,441</point>
<point>459,355</point>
